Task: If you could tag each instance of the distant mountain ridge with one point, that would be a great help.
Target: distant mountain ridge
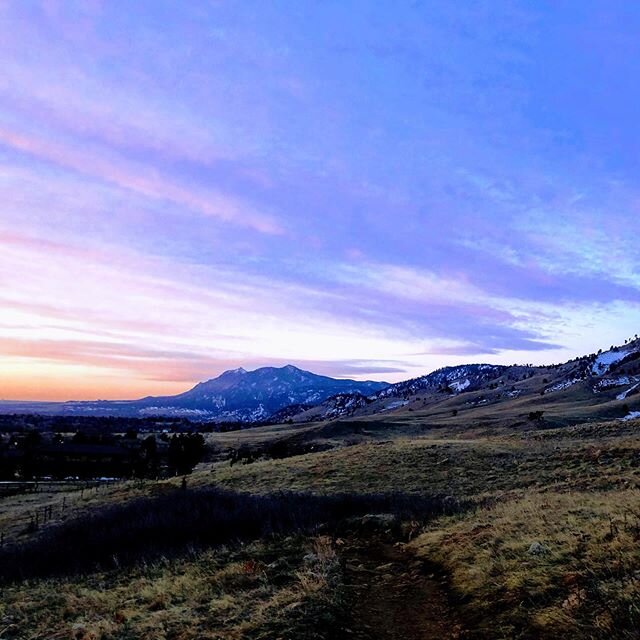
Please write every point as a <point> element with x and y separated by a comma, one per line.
<point>236,395</point>
<point>251,396</point>
<point>610,379</point>
<point>467,377</point>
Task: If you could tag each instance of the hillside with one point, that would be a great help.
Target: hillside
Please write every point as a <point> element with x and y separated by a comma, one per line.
<point>548,548</point>
<point>602,385</point>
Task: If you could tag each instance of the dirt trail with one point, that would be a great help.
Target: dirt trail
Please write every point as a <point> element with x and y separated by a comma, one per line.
<point>394,596</point>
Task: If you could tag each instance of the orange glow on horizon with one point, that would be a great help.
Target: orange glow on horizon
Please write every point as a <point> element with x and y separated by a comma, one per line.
<point>43,388</point>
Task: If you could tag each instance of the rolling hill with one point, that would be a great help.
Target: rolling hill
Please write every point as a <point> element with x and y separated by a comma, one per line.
<point>601,385</point>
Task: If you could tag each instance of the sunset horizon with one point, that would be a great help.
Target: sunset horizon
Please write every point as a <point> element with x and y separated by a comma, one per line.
<point>105,389</point>
<point>350,191</point>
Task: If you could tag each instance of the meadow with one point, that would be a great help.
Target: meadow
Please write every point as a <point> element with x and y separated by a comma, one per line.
<point>529,533</point>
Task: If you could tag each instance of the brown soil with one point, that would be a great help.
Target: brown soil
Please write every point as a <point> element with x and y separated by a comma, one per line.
<point>394,596</point>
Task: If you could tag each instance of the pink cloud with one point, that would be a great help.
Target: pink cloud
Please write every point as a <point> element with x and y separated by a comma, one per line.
<point>145,182</point>
<point>141,362</point>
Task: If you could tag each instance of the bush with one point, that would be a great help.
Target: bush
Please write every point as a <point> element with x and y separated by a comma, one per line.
<point>150,527</point>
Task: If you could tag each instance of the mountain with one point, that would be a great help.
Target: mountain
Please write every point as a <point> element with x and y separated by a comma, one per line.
<point>251,396</point>
<point>236,395</point>
<point>600,385</point>
<point>339,406</point>
<point>468,377</point>
<point>604,384</point>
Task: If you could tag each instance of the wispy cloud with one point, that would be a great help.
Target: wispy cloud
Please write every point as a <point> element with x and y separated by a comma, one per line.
<point>372,193</point>
<point>142,181</point>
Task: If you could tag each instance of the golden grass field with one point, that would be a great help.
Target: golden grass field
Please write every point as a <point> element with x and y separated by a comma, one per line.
<point>574,491</point>
<point>259,590</point>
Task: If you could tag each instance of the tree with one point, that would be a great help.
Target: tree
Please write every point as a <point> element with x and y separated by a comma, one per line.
<point>185,451</point>
<point>147,463</point>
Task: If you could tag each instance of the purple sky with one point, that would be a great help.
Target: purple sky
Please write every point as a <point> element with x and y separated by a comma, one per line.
<point>365,189</point>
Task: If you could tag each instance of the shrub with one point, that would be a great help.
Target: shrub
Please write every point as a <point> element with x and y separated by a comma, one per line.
<point>150,527</point>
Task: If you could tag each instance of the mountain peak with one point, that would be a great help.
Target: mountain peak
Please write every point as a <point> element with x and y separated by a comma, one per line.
<point>241,395</point>
<point>231,372</point>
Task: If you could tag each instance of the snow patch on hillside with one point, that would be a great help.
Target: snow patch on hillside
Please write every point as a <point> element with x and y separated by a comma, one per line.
<point>561,386</point>
<point>605,360</point>
<point>634,415</point>
<point>608,383</point>
<point>396,405</point>
<point>460,385</point>
<point>176,412</point>
<point>624,394</point>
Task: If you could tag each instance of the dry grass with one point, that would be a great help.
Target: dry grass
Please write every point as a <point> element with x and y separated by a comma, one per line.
<point>469,468</point>
<point>19,512</point>
<point>574,490</point>
<point>258,435</point>
<point>584,584</point>
<point>262,590</point>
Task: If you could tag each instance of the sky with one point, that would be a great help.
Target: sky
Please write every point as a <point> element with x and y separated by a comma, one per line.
<point>364,189</point>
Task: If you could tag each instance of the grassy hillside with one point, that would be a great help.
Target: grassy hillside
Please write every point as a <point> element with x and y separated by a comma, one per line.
<point>265,589</point>
<point>546,564</point>
<point>546,547</point>
<point>556,460</point>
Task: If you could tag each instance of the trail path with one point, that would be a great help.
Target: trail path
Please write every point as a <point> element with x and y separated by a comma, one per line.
<point>394,596</point>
